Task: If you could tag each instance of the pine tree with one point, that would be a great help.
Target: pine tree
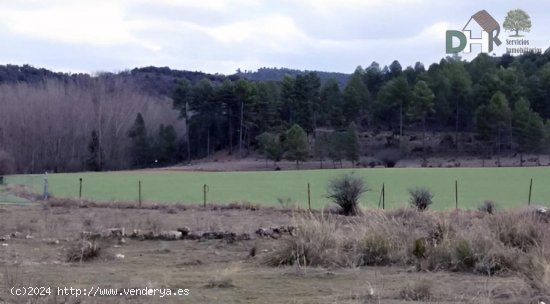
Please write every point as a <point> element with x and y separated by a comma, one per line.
<point>296,145</point>
<point>166,148</point>
<point>321,147</point>
<point>422,105</point>
<point>352,144</point>
<point>139,143</point>
<point>96,157</point>
<point>527,128</point>
<point>493,119</point>
<point>270,146</point>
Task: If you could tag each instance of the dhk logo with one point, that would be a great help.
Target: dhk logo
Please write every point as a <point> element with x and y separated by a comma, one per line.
<point>488,40</point>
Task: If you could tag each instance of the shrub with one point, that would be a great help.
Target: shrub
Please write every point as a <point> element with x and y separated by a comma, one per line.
<point>345,191</point>
<point>421,291</point>
<point>488,206</point>
<point>437,258</point>
<point>389,157</point>
<point>81,251</point>
<point>421,198</point>
<point>315,242</point>
<point>521,231</point>
<point>419,248</point>
<point>375,250</point>
<point>465,256</point>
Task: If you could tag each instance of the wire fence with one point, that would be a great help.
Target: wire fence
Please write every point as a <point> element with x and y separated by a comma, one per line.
<point>27,188</point>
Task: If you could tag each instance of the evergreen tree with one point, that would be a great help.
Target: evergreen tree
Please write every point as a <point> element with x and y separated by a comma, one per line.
<point>181,98</point>
<point>332,107</point>
<point>96,157</point>
<point>167,146</point>
<point>528,128</point>
<point>392,101</point>
<point>356,97</point>
<point>336,142</point>
<point>351,147</point>
<point>296,145</point>
<point>321,147</point>
<point>270,146</point>
<point>422,104</point>
<point>493,120</point>
<point>139,143</point>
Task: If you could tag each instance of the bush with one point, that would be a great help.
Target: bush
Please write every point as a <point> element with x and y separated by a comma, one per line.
<point>421,198</point>
<point>466,259</point>
<point>314,242</point>
<point>7,163</point>
<point>81,251</point>
<point>345,191</point>
<point>421,291</point>
<point>375,250</point>
<point>419,248</point>
<point>488,206</point>
<point>521,231</point>
<point>389,157</point>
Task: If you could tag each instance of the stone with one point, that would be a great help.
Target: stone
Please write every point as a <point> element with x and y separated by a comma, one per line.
<point>184,231</point>
<point>115,232</point>
<point>171,235</point>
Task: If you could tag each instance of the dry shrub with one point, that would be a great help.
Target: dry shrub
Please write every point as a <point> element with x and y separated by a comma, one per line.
<point>378,240</point>
<point>82,251</point>
<point>315,242</point>
<point>345,192</point>
<point>220,283</point>
<point>518,230</point>
<point>421,198</point>
<point>421,291</point>
<point>488,206</point>
<point>508,242</point>
<point>375,250</point>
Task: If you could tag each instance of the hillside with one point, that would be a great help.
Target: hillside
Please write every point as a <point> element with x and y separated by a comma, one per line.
<point>277,74</point>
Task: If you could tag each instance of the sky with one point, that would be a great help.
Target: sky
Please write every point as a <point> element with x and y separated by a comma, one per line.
<point>220,36</point>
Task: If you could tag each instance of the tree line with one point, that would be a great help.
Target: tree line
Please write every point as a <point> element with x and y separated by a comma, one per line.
<point>504,100</point>
<point>60,122</point>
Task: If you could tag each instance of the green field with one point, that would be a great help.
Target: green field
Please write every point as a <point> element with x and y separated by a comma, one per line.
<point>509,187</point>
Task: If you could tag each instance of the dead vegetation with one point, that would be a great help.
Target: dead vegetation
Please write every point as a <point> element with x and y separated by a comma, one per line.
<point>379,256</point>
<point>504,243</point>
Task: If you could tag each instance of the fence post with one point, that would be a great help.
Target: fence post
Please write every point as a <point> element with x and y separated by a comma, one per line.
<point>456,194</point>
<point>383,196</point>
<point>309,196</point>
<point>80,189</point>
<point>205,190</point>
<point>530,191</point>
<point>46,193</point>
<point>139,193</point>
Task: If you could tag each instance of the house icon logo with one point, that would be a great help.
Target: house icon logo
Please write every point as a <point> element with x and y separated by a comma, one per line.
<point>489,35</point>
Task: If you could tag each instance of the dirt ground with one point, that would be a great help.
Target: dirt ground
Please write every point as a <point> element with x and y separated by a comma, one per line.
<point>213,271</point>
<point>220,161</point>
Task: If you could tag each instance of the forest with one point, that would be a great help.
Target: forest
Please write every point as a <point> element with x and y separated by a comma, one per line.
<point>151,116</point>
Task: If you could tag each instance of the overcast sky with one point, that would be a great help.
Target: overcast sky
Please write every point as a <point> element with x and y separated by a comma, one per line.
<point>223,35</point>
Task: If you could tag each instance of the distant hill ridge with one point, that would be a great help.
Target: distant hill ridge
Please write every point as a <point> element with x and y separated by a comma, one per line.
<point>156,80</point>
<point>276,74</point>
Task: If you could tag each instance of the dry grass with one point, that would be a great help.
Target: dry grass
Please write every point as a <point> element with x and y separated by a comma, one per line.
<point>420,291</point>
<point>82,251</point>
<point>508,242</point>
<point>211,267</point>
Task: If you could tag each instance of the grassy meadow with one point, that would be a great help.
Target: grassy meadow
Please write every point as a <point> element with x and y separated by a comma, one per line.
<point>509,187</point>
